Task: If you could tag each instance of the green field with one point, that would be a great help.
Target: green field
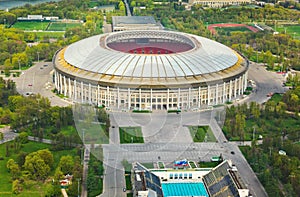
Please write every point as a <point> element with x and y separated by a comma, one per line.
<point>293,30</point>
<point>57,26</point>
<point>232,29</point>
<point>35,189</point>
<point>31,25</point>
<point>131,135</point>
<point>198,134</point>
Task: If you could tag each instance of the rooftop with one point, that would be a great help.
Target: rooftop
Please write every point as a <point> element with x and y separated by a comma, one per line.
<point>137,20</point>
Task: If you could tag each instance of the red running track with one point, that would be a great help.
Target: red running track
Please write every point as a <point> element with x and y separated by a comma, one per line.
<point>212,29</point>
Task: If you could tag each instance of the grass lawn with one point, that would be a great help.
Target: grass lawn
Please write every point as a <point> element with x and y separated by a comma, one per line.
<point>161,165</point>
<point>207,164</point>
<point>128,181</point>
<point>192,164</point>
<point>31,25</point>
<point>131,135</point>
<point>58,26</point>
<point>36,189</point>
<point>276,98</point>
<point>198,134</point>
<point>290,29</point>
<point>148,165</point>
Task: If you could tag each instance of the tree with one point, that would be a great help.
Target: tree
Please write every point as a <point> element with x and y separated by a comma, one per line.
<point>1,136</point>
<point>66,164</point>
<point>16,187</point>
<point>47,156</point>
<point>36,165</point>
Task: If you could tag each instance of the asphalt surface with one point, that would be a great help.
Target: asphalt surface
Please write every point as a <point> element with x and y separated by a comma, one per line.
<point>38,79</point>
<point>265,82</point>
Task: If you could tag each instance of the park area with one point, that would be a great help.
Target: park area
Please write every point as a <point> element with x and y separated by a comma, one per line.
<point>30,188</point>
<point>231,27</point>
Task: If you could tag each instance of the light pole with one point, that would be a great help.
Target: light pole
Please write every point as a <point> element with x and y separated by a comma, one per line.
<point>253,133</point>
<point>78,180</point>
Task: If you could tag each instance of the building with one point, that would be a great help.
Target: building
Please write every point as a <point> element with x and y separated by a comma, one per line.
<point>219,3</point>
<point>150,70</point>
<point>221,181</point>
<point>38,18</point>
<point>123,23</point>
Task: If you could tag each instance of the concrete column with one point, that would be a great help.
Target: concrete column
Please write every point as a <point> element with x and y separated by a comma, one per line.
<point>65,86</point>
<point>168,96</point>
<point>97,96</point>
<point>90,94</point>
<point>75,90</point>
<point>178,100</point>
<point>199,97</point>
<point>208,95</point>
<point>60,82</point>
<point>151,99</point>
<point>217,94</point>
<point>235,87</point>
<point>107,98</point>
<point>82,92</point>
<point>118,95</point>
<point>129,99</point>
<point>189,98</point>
<point>230,89</point>
<point>140,99</point>
<point>240,85</point>
<point>224,92</point>
<point>70,88</point>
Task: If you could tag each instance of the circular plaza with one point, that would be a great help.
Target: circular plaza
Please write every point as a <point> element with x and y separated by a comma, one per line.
<point>150,70</point>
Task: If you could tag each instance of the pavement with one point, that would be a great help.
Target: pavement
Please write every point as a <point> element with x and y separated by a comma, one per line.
<point>8,135</point>
<point>265,82</point>
<point>167,139</point>
<point>38,79</point>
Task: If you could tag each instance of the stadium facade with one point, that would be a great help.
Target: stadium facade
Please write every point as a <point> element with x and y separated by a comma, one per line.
<point>150,70</point>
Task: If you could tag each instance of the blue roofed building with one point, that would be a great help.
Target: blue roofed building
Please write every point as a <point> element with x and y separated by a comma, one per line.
<point>220,181</point>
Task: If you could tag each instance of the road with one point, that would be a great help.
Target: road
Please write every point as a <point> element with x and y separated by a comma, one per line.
<point>8,135</point>
<point>265,82</point>
<point>38,80</point>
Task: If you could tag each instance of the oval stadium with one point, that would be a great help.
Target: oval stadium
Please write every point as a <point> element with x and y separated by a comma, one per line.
<point>150,70</point>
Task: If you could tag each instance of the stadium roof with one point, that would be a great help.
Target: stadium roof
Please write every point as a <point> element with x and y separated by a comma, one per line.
<point>207,56</point>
